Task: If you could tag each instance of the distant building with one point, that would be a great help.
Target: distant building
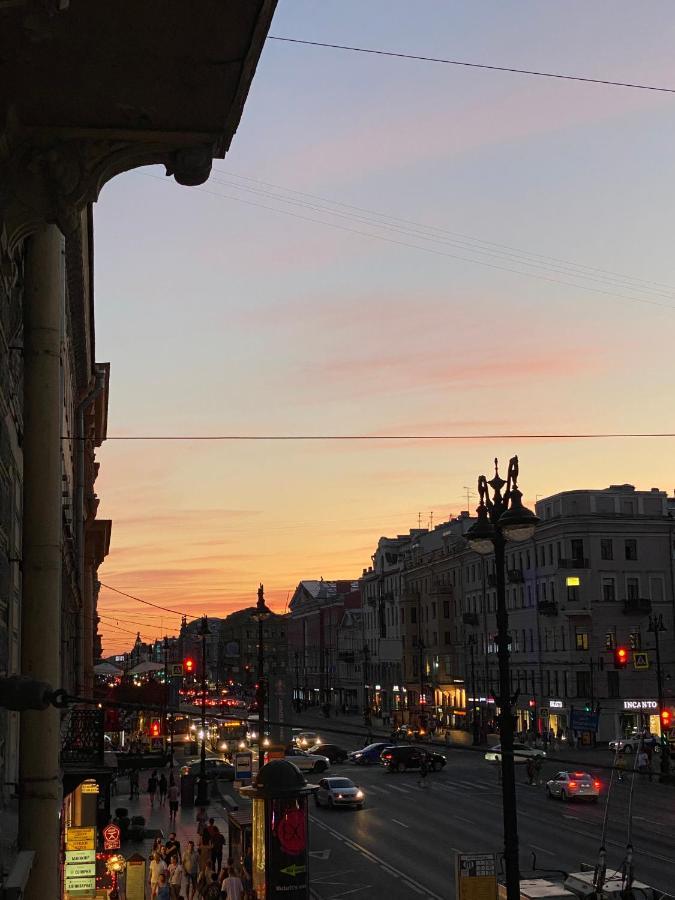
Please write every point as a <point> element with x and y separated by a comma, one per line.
<point>238,646</point>
<point>316,610</point>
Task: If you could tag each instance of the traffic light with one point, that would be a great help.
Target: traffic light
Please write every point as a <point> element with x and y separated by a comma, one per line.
<point>665,719</point>
<point>189,666</point>
<point>155,729</point>
<point>621,657</point>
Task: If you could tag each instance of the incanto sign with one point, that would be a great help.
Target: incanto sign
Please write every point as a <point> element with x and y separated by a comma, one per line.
<point>640,704</point>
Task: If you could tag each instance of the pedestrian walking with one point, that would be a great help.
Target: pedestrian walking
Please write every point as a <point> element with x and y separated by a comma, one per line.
<point>163,785</point>
<point>212,889</point>
<point>620,765</point>
<point>424,772</point>
<point>538,763</point>
<point>247,867</point>
<point>200,818</point>
<point>152,788</point>
<point>204,851</point>
<point>529,768</point>
<point>173,794</point>
<point>172,846</point>
<point>176,874</point>
<point>163,892</point>
<point>217,844</point>
<point>232,886</point>
<point>191,869</point>
<point>157,867</point>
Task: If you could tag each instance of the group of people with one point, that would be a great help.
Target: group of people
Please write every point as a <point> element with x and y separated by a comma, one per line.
<point>160,789</point>
<point>197,873</point>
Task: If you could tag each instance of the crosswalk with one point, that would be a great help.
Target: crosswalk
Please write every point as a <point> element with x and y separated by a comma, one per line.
<point>452,786</point>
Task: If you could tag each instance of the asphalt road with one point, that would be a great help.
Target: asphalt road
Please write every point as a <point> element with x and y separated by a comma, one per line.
<point>402,844</point>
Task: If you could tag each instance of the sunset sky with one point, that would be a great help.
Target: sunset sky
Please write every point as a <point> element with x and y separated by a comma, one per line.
<point>391,247</point>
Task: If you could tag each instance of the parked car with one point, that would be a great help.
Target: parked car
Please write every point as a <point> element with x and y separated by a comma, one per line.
<point>398,759</point>
<point>334,753</point>
<point>368,756</point>
<point>339,792</point>
<point>521,753</point>
<point>215,769</point>
<point>305,761</point>
<point>631,743</point>
<point>573,786</point>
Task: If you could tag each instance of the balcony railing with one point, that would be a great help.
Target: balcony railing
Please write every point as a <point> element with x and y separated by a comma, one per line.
<point>547,607</point>
<point>637,605</point>
<point>515,576</point>
<point>82,738</point>
<point>574,562</point>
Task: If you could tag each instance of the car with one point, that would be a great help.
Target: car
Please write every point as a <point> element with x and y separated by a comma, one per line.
<point>334,753</point>
<point>339,792</point>
<point>398,759</point>
<point>305,739</point>
<point>215,769</point>
<point>631,744</point>
<point>368,756</point>
<point>521,753</point>
<point>573,786</point>
<point>307,762</point>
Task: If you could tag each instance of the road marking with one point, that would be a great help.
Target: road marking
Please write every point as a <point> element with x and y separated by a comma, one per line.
<point>392,870</point>
<point>353,891</point>
<point>462,819</point>
<point>542,849</point>
<point>319,854</point>
<point>402,824</point>
<point>394,787</point>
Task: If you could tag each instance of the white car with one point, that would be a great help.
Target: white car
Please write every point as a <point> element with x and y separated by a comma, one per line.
<point>573,786</point>
<point>521,753</point>
<point>305,739</point>
<point>339,792</point>
<point>307,762</point>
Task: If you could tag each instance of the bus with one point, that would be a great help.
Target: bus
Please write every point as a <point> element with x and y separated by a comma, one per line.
<point>228,736</point>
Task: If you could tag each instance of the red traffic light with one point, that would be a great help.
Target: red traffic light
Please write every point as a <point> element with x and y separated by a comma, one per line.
<point>188,665</point>
<point>621,657</point>
<point>665,718</point>
<point>154,728</point>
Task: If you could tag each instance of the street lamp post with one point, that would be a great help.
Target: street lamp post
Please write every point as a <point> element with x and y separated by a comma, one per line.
<point>202,786</point>
<point>167,696</point>
<point>261,614</point>
<point>366,687</point>
<point>656,626</point>
<point>474,719</point>
<point>502,519</point>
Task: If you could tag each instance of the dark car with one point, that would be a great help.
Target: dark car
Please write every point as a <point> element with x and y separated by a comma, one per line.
<point>398,759</point>
<point>369,755</point>
<point>215,769</point>
<point>334,753</point>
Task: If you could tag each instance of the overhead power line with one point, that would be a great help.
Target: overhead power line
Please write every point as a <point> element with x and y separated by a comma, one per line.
<point>474,65</point>
<point>147,602</point>
<point>381,437</point>
<point>485,263</point>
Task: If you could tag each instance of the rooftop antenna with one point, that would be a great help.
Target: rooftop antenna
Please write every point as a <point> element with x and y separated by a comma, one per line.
<point>431,520</point>
<point>419,519</point>
<point>469,494</point>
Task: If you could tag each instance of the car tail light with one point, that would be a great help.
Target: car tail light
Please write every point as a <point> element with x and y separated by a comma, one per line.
<point>596,784</point>
<point>573,784</point>
<point>386,756</point>
<point>578,774</point>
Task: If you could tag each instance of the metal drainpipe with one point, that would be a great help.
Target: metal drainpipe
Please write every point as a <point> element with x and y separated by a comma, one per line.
<point>87,621</point>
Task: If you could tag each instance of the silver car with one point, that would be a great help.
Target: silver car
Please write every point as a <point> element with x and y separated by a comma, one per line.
<point>573,786</point>
<point>339,792</point>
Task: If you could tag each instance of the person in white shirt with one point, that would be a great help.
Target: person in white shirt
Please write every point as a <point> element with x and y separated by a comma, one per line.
<point>232,886</point>
<point>157,868</point>
<point>175,878</point>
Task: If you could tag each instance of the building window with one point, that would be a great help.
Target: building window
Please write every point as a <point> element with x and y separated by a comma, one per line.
<point>550,554</point>
<point>613,684</point>
<point>583,684</point>
<point>562,637</point>
<point>608,590</point>
<point>433,610</point>
<point>631,548</point>
<point>447,637</point>
<point>610,640</point>
<point>582,640</point>
<point>606,548</point>
<point>635,639</point>
<point>577,546</point>
<point>413,616</point>
<point>632,588</point>
<point>446,609</point>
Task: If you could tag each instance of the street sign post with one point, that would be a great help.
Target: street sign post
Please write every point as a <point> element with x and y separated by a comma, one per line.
<point>475,876</point>
<point>640,659</point>
<point>243,765</point>
<point>79,873</point>
<point>135,884</point>
<point>580,720</point>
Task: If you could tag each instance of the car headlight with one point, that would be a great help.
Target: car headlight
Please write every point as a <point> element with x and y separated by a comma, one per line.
<point>358,755</point>
<point>359,795</point>
<point>339,797</point>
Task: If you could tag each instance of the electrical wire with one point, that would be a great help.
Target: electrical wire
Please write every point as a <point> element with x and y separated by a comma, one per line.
<point>473,65</point>
<point>433,234</point>
<point>432,250</point>
<point>614,435</point>
<point>147,602</point>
